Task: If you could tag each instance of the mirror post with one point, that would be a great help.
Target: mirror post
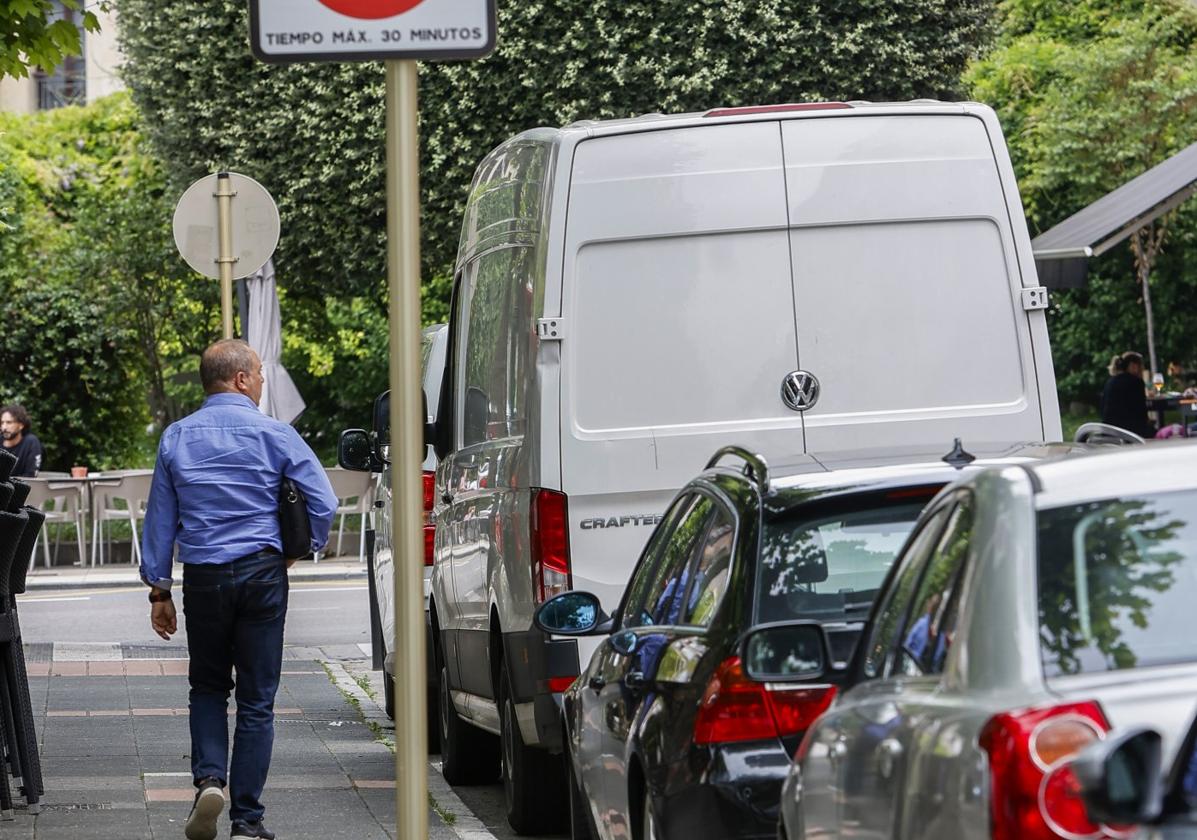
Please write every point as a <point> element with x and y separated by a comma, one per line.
<point>407,450</point>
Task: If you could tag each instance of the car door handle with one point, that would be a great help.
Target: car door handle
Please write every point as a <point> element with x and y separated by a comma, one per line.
<point>634,680</point>
<point>596,683</point>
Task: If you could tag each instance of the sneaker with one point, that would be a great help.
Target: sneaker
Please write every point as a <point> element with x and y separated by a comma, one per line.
<point>209,803</point>
<point>251,831</point>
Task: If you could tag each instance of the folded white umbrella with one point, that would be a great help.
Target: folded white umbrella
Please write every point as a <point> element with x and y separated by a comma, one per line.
<point>280,397</point>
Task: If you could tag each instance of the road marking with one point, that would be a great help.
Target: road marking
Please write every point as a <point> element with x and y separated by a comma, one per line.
<point>27,600</point>
<point>305,589</point>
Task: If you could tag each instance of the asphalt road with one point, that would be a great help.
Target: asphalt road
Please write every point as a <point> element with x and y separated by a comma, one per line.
<point>320,614</point>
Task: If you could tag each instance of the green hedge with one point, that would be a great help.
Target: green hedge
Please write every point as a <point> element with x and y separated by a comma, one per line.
<point>313,134</point>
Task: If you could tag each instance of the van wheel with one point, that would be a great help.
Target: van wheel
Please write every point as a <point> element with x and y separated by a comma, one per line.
<point>434,721</point>
<point>388,694</point>
<point>469,756</point>
<point>533,781</point>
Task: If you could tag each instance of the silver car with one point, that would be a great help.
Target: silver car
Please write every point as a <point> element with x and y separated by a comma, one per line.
<point>1033,608</point>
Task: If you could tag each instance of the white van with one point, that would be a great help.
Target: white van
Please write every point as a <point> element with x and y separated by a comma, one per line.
<point>632,295</point>
<point>362,451</point>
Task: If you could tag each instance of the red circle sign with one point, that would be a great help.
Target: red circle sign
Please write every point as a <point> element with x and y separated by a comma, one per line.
<point>371,9</point>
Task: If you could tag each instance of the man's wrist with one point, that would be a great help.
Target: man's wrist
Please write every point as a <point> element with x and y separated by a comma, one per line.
<point>157,595</point>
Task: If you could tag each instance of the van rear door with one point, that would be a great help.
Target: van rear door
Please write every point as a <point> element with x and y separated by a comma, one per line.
<point>679,310</point>
<point>907,286</point>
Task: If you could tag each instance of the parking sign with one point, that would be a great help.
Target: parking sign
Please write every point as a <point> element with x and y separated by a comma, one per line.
<point>369,30</point>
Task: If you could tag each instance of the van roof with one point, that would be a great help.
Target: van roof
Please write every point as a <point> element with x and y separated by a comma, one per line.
<point>755,113</point>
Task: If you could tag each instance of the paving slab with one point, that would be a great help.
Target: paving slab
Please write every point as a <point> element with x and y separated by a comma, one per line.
<point>115,751</point>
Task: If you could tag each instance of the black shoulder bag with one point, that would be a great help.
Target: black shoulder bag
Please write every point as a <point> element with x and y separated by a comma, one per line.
<point>294,526</point>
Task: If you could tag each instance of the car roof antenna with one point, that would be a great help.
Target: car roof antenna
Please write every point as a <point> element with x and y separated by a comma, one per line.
<point>959,457</point>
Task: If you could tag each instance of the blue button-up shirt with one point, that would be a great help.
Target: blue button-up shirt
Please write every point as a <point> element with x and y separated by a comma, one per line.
<point>216,487</point>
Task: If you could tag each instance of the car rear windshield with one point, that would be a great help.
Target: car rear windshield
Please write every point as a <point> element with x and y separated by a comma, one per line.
<point>1117,583</point>
<point>829,567</point>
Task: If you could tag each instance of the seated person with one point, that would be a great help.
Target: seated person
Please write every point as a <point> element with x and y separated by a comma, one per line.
<point>19,441</point>
<point>1124,398</point>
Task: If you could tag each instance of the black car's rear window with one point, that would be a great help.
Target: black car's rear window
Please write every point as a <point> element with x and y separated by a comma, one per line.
<point>1118,583</point>
<point>828,567</point>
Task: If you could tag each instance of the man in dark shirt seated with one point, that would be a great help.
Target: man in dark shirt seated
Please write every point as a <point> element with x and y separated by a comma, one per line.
<point>19,441</point>
<point>1124,398</point>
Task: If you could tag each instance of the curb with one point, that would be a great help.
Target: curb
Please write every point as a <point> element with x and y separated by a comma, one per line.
<point>466,824</point>
<point>50,583</point>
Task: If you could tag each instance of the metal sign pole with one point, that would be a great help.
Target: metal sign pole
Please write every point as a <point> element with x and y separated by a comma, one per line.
<point>224,208</point>
<point>407,447</point>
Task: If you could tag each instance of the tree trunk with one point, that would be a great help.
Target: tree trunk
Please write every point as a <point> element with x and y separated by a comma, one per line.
<point>1146,244</point>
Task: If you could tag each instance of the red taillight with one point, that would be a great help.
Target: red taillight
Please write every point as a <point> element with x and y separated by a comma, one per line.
<point>429,491</point>
<point>429,528</point>
<point>773,109</point>
<point>1034,793</point>
<point>550,544</point>
<point>736,708</point>
<point>559,684</point>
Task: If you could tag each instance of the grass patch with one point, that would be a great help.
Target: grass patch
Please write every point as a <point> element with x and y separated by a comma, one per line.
<point>349,698</point>
<point>363,682</point>
<point>448,817</point>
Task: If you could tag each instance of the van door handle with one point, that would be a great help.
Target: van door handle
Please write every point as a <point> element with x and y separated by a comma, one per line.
<point>596,683</point>
<point>634,680</point>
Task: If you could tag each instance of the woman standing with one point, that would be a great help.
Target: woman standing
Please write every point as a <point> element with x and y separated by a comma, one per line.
<point>1124,398</point>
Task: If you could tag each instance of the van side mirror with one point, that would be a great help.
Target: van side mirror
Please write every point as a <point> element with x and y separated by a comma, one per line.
<point>1120,777</point>
<point>571,614</point>
<point>382,422</point>
<point>788,651</point>
<point>382,419</point>
<point>356,452</point>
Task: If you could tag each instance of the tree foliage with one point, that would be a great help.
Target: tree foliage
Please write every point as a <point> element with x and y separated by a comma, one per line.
<point>1090,96</point>
<point>98,310</point>
<point>30,38</point>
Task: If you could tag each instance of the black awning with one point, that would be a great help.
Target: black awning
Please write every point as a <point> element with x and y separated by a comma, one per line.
<point>1062,253</point>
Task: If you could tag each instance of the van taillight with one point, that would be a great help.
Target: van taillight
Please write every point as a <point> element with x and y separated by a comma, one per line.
<point>1034,794</point>
<point>736,708</point>
<point>774,109</point>
<point>429,528</point>
<point>550,544</point>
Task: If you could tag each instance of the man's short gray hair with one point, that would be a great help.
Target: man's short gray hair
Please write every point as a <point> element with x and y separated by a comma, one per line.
<point>223,360</point>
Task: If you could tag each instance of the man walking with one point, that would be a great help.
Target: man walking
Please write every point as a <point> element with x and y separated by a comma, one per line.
<point>19,441</point>
<point>215,493</point>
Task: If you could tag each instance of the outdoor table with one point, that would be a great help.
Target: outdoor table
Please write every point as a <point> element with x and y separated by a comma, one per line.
<point>1166,402</point>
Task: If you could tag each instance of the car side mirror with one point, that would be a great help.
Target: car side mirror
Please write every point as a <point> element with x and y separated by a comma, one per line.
<point>571,614</point>
<point>1120,777</point>
<point>787,651</point>
<point>356,452</point>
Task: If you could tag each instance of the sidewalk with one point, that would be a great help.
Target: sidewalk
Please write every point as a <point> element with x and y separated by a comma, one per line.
<point>115,746</point>
<point>123,574</point>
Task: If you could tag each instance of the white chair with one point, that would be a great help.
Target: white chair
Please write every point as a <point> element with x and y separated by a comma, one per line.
<point>62,502</point>
<point>355,495</point>
<point>132,487</point>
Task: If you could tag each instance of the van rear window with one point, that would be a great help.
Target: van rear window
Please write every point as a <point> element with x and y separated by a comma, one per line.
<point>1117,581</point>
<point>829,568</point>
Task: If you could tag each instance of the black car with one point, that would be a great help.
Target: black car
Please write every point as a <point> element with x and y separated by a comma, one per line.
<point>665,734</point>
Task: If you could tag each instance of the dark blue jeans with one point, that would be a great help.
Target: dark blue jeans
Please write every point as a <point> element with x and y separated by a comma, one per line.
<point>234,616</point>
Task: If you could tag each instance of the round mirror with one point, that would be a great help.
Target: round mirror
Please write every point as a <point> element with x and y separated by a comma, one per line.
<point>784,652</point>
<point>570,614</point>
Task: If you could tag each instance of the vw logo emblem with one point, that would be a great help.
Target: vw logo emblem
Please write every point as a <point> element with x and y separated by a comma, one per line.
<point>800,390</point>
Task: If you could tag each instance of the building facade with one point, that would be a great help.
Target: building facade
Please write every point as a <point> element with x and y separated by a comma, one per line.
<point>80,79</point>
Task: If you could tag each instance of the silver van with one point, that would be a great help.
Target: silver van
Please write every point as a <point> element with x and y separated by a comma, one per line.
<point>632,295</point>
